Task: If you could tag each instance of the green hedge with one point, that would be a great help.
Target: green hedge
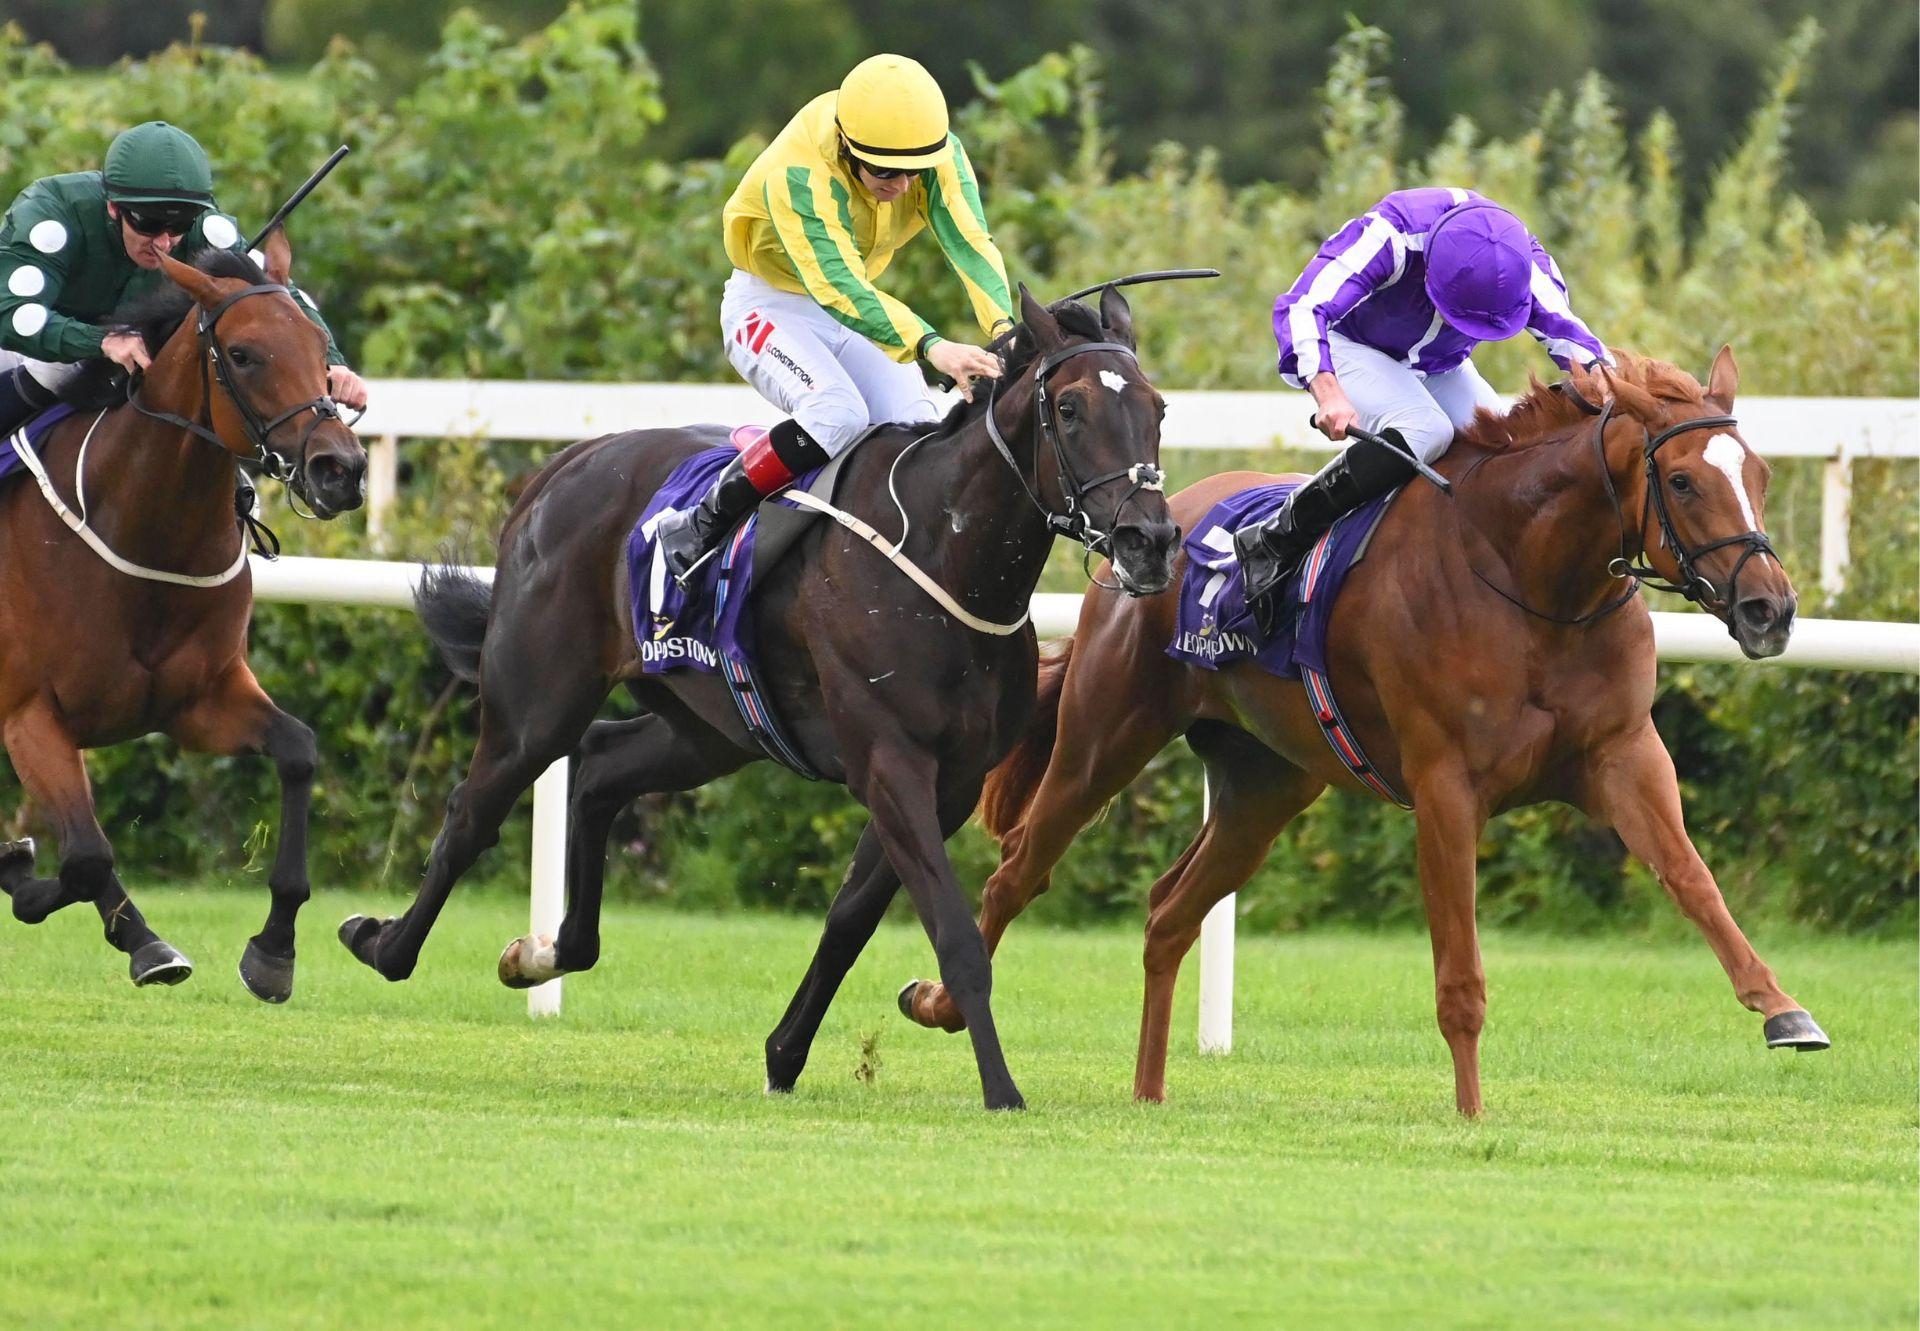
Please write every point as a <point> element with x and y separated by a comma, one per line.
<point>504,217</point>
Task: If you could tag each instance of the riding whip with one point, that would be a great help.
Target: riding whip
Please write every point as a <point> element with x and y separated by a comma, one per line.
<point>299,194</point>
<point>1396,448</point>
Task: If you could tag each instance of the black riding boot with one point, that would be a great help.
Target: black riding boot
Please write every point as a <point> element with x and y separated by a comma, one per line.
<point>1269,551</point>
<point>22,397</point>
<point>761,468</point>
<point>686,536</point>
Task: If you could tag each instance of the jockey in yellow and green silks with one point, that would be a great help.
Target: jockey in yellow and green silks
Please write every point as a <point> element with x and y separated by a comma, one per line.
<point>810,229</point>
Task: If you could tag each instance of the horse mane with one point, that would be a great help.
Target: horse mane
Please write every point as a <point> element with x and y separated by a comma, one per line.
<point>1016,347</point>
<point>155,315</point>
<point>1544,410</point>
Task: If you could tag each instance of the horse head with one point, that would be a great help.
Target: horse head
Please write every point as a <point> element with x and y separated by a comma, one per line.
<point>1703,508</point>
<point>1101,418</point>
<point>262,376</point>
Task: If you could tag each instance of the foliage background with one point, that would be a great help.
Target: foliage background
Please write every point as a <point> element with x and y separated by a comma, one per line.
<point>518,207</point>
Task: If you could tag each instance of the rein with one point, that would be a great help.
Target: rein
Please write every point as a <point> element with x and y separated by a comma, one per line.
<point>215,364</point>
<point>1074,522</point>
<point>1694,586</point>
<point>257,534</point>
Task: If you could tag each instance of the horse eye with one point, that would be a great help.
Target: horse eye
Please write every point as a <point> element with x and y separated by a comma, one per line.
<point>1068,410</point>
<point>1681,485</point>
<point>240,356</point>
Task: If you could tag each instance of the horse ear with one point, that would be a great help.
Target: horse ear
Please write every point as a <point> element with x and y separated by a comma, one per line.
<point>1039,321</point>
<point>276,254</point>
<point>205,290</point>
<point>1630,398</point>
<point>1117,316</point>
<point>1723,380</point>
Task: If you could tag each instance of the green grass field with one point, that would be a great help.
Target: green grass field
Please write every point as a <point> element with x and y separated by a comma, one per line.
<point>421,1154</point>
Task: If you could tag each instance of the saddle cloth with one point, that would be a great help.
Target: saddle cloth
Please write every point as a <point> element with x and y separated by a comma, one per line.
<point>1216,626</point>
<point>31,435</point>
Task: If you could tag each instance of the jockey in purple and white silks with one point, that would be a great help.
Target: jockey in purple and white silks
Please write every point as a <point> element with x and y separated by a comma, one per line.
<point>1380,328</point>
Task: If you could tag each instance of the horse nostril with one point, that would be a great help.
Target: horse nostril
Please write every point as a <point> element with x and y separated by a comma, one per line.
<point>1757,613</point>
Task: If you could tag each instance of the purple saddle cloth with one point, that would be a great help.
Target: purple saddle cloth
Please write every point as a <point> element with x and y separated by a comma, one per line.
<point>703,626</point>
<point>1216,626</point>
<point>31,435</point>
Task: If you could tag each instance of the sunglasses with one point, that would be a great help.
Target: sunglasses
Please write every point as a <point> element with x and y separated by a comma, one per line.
<point>159,221</point>
<point>887,172</point>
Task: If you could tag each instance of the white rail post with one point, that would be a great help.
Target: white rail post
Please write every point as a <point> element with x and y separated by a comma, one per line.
<point>383,487</point>
<point>1836,518</point>
<point>1216,964</point>
<point>549,874</point>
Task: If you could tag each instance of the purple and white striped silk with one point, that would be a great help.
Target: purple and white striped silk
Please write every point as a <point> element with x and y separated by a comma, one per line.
<point>1369,281</point>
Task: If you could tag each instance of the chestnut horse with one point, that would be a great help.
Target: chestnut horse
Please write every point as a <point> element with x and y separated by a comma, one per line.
<point>95,653</point>
<point>1489,652</point>
<point>902,700</point>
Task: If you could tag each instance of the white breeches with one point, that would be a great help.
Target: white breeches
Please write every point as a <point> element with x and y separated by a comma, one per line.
<point>830,379</point>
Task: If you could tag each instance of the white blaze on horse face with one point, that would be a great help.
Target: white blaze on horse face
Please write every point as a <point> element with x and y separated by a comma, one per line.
<point>1729,456</point>
<point>1113,380</point>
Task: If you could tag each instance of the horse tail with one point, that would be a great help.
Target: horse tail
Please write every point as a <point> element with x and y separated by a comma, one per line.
<point>1011,786</point>
<point>454,606</point>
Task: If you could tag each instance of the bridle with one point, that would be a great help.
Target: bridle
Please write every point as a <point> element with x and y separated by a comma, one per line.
<point>215,365</point>
<point>1693,585</point>
<point>1074,522</point>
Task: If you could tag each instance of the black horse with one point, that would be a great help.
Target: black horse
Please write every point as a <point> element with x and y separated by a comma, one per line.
<point>882,689</point>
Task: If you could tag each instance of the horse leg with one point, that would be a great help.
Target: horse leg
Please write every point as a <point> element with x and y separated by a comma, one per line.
<point>535,703</point>
<point>49,766</point>
<point>1095,755</point>
<point>856,912</point>
<point>1636,791</point>
<point>1448,820</point>
<point>897,783</point>
<point>1255,793</point>
<point>617,762</point>
<point>236,716</point>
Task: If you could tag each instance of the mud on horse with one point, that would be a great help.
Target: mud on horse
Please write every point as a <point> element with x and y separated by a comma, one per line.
<point>882,690</point>
<point>1491,651</point>
<point>126,614</point>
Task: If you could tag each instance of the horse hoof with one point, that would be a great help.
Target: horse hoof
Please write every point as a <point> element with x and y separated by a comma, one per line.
<point>158,962</point>
<point>16,863</point>
<point>1796,1029</point>
<point>905,998</point>
<point>1018,1102</point>
<point>360,935</point>
<point>267,977</point>
<point>528,953</point>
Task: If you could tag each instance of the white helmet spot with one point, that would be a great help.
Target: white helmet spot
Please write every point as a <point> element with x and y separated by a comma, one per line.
<point>258,258</point>
<point>49,236</point>
<point>26,280</point>
<point>29,319</point>
<point>220,231</point>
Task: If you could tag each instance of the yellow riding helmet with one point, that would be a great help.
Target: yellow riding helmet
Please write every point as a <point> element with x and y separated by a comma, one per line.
<point>893,114</point>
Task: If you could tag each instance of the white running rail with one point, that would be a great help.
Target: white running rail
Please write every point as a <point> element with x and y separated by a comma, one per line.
<point>1817,644</point>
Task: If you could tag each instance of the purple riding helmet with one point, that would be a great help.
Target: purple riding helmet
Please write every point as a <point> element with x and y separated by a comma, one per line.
<point>1480,270</point>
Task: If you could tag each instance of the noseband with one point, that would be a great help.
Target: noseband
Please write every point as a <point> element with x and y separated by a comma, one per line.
<point>215,364</point>
<point>1074,522</point>
<point>1693,585</point>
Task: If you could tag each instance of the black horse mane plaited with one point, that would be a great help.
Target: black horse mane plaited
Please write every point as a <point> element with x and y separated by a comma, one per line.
<point>155,315</point>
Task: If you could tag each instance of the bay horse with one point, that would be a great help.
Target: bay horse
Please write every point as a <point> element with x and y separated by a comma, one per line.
<point>1490,651</point>
<point>882,689</point>
<point>93,653</point>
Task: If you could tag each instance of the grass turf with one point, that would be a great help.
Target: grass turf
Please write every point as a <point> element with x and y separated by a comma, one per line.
<point>421,1154</point>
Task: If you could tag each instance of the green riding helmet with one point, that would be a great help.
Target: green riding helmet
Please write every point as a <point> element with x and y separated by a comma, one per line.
<point>158,163</point>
